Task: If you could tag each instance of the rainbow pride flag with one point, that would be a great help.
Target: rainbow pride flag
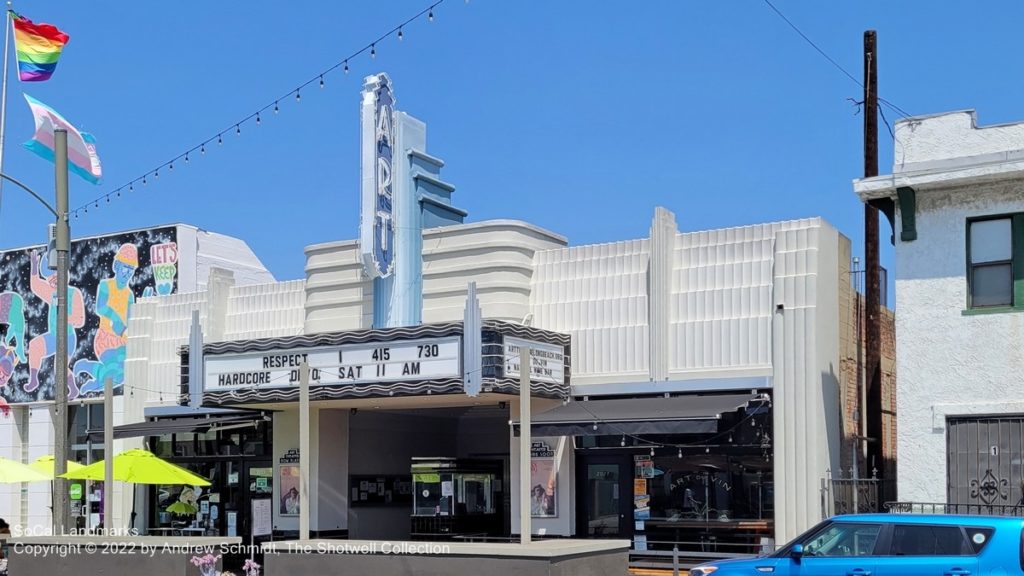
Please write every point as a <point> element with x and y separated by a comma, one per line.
<point>82,157</point>
<point>38,47</point>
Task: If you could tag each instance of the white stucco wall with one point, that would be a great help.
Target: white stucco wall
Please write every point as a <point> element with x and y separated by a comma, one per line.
<point>949,363</point>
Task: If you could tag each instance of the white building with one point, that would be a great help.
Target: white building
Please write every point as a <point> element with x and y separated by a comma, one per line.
<point>956,194</point>
<point>701,319</point>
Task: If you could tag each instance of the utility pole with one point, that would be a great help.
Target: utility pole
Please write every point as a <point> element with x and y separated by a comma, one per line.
<point>61,504</point>
<point>872,289</point>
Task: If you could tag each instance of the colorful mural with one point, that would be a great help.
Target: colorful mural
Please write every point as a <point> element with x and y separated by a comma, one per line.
<point>106,276</point>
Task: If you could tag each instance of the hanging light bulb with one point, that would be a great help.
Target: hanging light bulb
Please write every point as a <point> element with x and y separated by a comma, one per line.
<point>680,454</point>
<point>623,443</point>
<point>186,158</point>
<point>143,180</point>
<point>707,449</point>
<point>118,192</point>
<point>170,166</point>
<point>298,97</point>
<point>652,450</point>
<point>259,121</point>
<point>97,204</point>
<point>275,108</point>
<point>321,80</point>
<point>400,35</point>
<point>373,50</point>
<point>595,426</point>
<point>108,198</point>
<point>730,438</point>
<point>430,15</point>
<point>156,173</point>
<point>131,187</point>
<point>238,130</point>
<point>220,139</point>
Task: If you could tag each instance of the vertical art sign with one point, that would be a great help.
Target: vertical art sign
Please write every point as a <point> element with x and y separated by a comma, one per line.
<point>377,226</point>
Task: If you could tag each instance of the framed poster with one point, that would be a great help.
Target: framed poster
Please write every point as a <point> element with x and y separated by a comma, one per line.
<point>289,490</point>
<point>543,482</point>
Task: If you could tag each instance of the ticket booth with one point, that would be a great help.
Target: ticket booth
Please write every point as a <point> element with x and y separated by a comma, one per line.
<point>456,498</point>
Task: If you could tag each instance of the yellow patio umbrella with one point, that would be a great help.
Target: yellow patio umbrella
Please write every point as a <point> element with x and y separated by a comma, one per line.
<point>44,465</point>
<point>12,471</point>
<point>139,467</point>
<point>183,508</point>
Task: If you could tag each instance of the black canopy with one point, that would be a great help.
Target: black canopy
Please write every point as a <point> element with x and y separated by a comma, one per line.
<point>657,415</point>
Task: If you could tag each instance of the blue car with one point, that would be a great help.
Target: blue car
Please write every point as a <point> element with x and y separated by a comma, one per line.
<point>892,545</point>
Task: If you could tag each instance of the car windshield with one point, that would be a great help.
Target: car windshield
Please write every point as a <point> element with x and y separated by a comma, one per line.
<point>787,549</point>
<point>835,539</point>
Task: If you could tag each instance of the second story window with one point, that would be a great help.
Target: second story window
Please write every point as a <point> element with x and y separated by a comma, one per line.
<point>992,275</point>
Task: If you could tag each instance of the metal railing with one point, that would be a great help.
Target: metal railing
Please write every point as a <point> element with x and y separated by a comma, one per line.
<point>685,555</point>
<point>948,508</point>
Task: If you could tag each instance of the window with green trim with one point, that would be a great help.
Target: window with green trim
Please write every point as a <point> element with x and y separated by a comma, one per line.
<point>995,262</point>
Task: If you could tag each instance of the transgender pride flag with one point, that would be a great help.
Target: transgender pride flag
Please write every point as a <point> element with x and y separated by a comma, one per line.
<point>82,158</point>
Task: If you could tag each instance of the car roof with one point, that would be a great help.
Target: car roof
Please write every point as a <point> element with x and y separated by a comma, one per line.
<point>957,519</point>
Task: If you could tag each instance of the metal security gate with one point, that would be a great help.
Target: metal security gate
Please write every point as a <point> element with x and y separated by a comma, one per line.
<point>850,494</point>
<point>984,462</point>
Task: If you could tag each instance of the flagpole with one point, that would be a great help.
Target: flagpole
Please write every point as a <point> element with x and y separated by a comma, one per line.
<point>3,93</point>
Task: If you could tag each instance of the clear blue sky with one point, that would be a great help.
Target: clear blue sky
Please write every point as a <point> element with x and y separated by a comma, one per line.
<point>580,117</point>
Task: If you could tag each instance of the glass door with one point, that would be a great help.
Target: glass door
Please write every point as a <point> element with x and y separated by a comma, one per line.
<point>605,499</point>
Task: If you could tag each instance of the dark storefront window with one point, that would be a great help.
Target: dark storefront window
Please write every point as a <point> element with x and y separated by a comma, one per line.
<point>708,493</point>
<point>86,501</point>
<point>237,462</point>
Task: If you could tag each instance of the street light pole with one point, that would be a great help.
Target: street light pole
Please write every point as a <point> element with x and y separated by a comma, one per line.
<point>61,505</point>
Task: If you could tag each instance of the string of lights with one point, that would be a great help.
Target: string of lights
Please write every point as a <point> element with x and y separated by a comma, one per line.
<point>272,107</point>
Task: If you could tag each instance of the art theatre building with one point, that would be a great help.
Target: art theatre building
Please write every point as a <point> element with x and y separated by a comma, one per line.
<point>684,386</point>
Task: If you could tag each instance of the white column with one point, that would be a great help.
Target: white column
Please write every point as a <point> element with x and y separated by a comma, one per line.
<point>525,369</point>
<point>304,453</point>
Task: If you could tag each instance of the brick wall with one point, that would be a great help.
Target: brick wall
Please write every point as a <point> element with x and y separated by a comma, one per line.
<point>851,393</point>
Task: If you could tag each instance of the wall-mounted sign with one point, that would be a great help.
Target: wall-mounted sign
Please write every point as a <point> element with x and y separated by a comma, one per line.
<point>543,481</point>
<point>289,483</point>
<point>377,227</point>
<point>547,361</point>
<point>394,361</point>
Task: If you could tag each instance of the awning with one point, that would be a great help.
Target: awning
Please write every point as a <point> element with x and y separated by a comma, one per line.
<point>163,426</point>
<point>655,415</point>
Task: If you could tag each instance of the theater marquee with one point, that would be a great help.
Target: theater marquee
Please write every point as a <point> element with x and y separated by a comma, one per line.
<point>371,362</point>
